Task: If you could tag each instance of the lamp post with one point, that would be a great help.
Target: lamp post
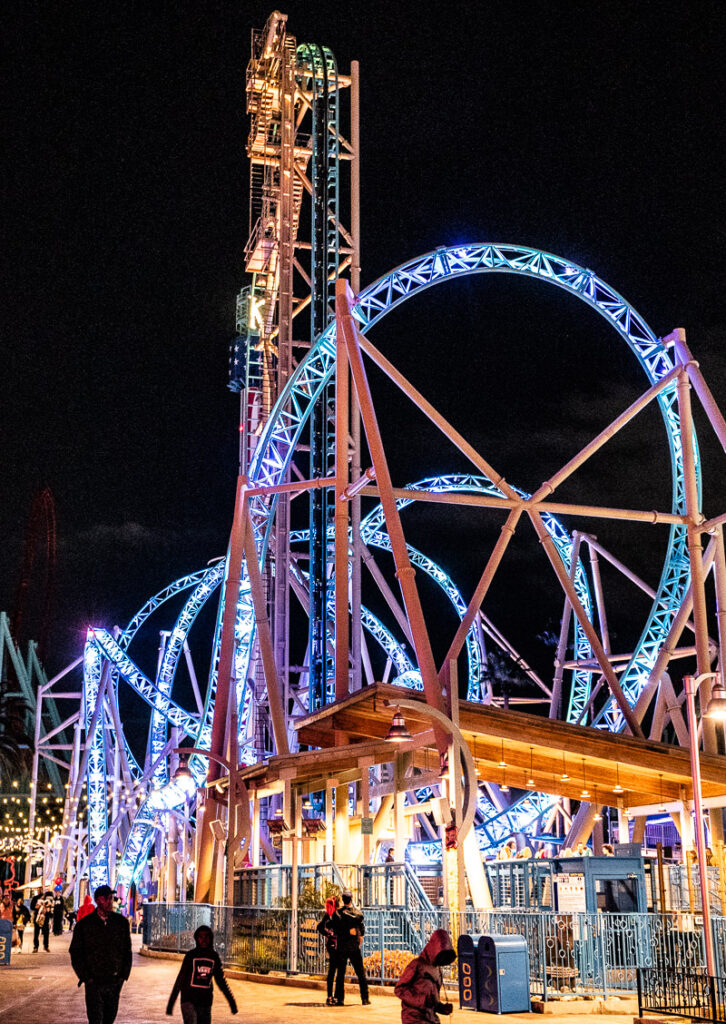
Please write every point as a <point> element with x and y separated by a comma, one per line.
<point>463,816</point>
<point>716,709</point>
<point>182,774</point>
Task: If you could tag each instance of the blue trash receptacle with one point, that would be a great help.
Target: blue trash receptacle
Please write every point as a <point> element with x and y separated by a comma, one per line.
<point>503,974</point>
<point>466,949</point>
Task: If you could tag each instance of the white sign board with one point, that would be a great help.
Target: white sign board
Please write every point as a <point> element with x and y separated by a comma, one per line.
<point>570,893</point>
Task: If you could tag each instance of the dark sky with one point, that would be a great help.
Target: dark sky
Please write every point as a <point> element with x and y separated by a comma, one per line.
<point>595,132</point>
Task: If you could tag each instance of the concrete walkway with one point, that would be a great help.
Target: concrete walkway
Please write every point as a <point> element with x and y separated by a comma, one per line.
<point>40,988</point>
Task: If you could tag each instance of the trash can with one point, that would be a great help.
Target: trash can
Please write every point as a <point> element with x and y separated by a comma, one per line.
<point>468,987</point>
<point>503,974</point>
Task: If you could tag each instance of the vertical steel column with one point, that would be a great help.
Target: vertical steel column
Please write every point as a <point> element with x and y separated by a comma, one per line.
<point>281,588</point>
<point>205,861</point>
<point>357,634</point>
<point>690,686</point>
<point>342,398</point>
<point>695,550</point>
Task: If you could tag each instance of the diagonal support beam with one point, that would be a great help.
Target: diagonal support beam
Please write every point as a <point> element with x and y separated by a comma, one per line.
<point>405,573</point>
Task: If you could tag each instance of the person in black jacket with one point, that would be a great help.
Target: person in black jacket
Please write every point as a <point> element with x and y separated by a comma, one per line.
<point>59,910</point>
<point>326,928</point>
<point>349,929</point>
<point>101,957</point>
<point>199,968</point>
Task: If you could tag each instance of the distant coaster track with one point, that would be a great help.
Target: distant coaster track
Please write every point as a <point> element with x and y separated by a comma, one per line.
<point>271,461</point>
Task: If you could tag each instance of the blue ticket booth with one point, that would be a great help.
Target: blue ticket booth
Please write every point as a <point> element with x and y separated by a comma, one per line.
<point>494,973</point>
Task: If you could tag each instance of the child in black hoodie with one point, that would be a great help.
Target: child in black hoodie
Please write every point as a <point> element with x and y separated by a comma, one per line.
<point>199,968</point>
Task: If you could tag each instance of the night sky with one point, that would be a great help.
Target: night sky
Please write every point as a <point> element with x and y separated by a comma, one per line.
<point>594,132</point>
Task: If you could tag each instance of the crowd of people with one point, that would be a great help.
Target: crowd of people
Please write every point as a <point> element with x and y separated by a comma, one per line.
<point>47,913</point>
<point>100,952</point>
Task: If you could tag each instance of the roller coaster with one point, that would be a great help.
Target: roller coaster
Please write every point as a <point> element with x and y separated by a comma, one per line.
<point>304,164</point>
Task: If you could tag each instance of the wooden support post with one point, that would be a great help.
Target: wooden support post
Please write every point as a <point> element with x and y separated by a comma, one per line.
<point>342,832</point>
<point>365,765</point>
<point>329,820</point>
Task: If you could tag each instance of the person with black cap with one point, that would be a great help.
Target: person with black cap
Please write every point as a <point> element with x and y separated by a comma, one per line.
<point>101,957</point>
<point>419,987</point>
<point>349,930</point>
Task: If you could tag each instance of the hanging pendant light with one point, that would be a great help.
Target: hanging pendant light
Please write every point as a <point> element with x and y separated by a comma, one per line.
<point>717,705</point>
<point>597,816</point>
<point>530,780</point>
<point>504,788</point>
<point>585,795</point>
<point>502,763</point>
<point>398,733</point>
<point>477,769</point>
<point>661,809</point>
<point>617,788</point>
<point>564,777</point>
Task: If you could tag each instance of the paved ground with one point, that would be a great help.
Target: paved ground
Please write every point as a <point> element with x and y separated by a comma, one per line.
<point>40,988</point>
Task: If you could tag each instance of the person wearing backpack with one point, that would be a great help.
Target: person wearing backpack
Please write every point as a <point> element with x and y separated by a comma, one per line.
<point>42,915</point>
<point>349,929</point>
<point>200,967</point>
<point>419,987</point>
<point>326,928</point>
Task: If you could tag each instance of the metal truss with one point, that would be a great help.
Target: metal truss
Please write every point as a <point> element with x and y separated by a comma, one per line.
<point>282,434</point>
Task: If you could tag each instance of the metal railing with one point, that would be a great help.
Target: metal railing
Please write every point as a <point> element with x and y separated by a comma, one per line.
<point>682,994</point>
<point>373,885</point>
<point>569,954</point>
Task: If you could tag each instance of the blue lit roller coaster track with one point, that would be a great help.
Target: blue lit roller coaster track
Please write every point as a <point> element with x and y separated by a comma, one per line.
<point>282,434</point>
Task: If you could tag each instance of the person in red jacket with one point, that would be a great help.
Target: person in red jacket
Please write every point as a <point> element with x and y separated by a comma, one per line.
<point>86,907</point>
<point>199,968</point>
<point>419,987</point>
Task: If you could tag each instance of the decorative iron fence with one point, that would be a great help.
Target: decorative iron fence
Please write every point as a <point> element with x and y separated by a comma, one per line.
<point>569,954</point>
<point>682,994</point>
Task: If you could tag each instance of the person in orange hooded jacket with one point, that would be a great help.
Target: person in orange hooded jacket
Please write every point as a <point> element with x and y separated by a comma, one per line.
<point>419,987</point>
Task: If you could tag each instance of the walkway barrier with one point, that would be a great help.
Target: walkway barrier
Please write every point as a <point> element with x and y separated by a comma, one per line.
<point>682,994</point>
<point>588,955</point>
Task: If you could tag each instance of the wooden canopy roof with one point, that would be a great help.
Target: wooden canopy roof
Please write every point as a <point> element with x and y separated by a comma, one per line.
<point>648,772</point>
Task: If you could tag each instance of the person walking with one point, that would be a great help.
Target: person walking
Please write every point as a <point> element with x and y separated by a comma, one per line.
<point>59,909</point>
<point>200,967</point>
<point>21,916</point>
<point>349,930</point>
<point>326,928</point>
<point>101,957</point>
<point>41,922</point>
<point>419,987</point>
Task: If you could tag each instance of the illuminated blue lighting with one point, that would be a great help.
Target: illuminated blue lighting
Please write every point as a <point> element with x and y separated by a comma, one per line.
<point>274,453</point>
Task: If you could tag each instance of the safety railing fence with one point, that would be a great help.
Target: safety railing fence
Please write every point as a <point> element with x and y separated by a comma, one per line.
<point>683,887</point>
<point>569,954</point>
<point>269,886</point>
<point>682,994</point>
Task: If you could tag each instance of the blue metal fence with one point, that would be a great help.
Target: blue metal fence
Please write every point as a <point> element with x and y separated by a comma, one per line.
<point>569,954</point>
